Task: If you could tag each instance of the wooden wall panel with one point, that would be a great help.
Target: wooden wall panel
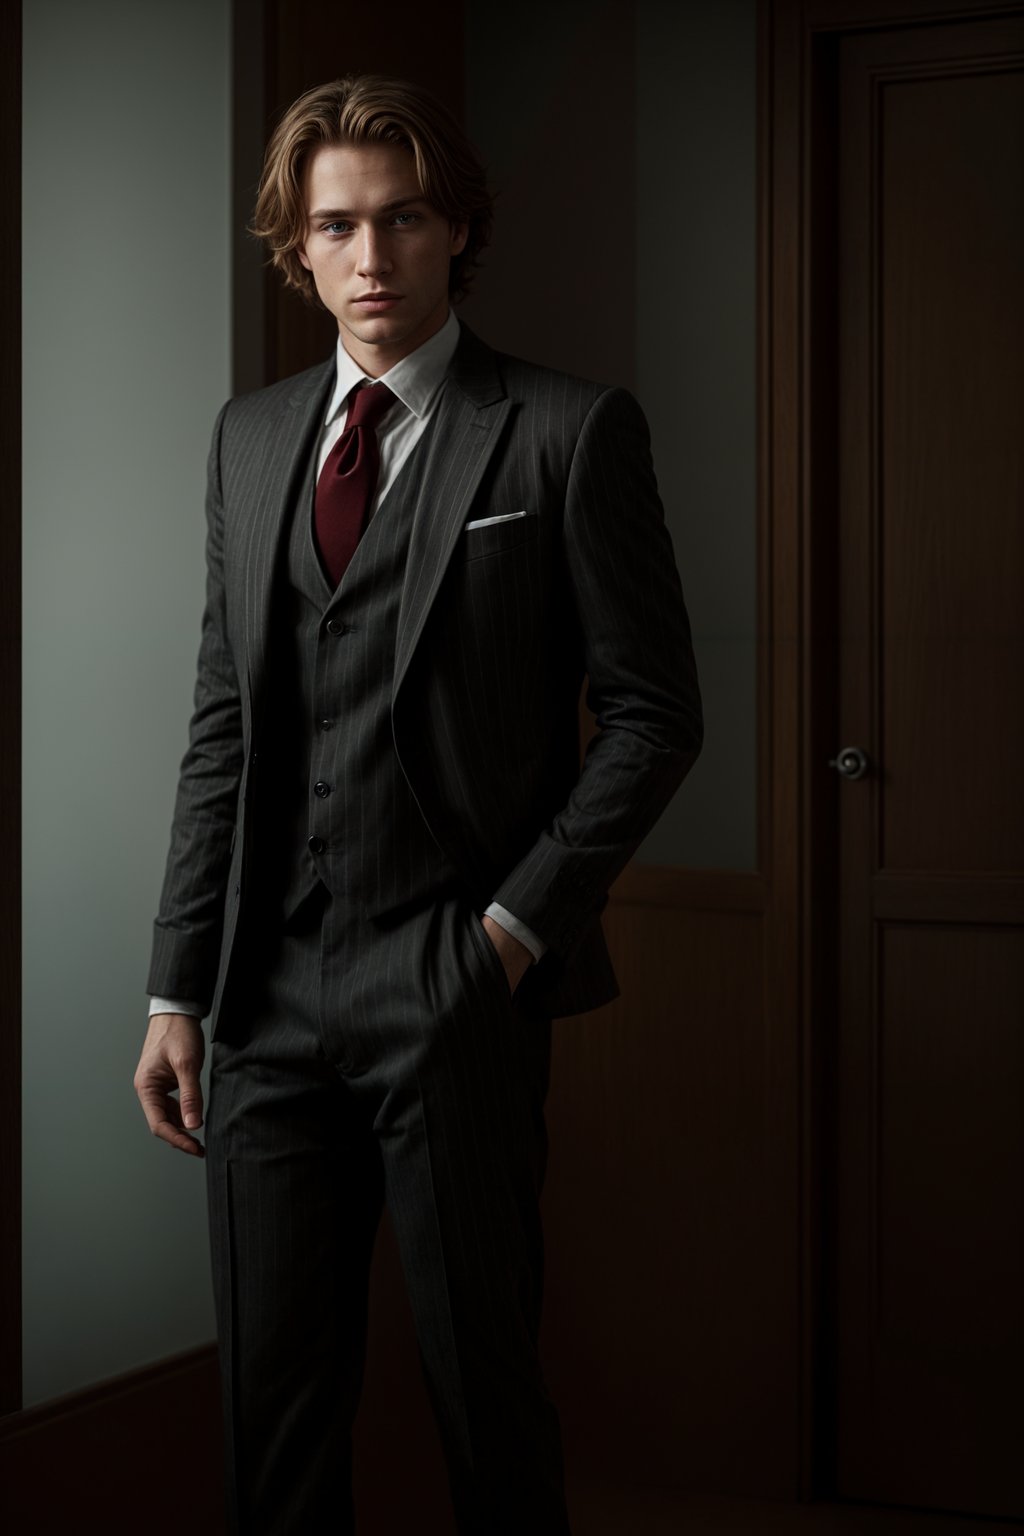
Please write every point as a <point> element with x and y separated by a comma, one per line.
<point>666,1344</point>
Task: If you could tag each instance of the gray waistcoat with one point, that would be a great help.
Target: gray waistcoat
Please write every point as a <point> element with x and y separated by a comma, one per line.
<point>328,770</point>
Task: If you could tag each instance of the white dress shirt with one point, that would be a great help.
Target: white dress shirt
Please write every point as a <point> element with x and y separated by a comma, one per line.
<point>416,382</point>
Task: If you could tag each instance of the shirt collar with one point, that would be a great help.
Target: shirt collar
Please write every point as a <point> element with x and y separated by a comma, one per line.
<point>415,380</point>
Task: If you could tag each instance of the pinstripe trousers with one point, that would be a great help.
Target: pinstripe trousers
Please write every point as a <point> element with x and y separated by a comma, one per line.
<point>369,1063</point>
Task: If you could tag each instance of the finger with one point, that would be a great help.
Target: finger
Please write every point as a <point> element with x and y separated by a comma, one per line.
<point>161,1117</point>
<point>180,1139</point>
<point>191,1099</point>
<point>190,1094</point>
<point>173,1114</point>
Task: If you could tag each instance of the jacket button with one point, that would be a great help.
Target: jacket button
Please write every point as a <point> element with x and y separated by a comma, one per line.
<point>327,725</point>
<point>317,845</point>
<point>336,627</point>
<point>321,789</point>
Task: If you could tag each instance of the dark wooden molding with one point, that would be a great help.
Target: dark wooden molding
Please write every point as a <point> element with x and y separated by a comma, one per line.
<point>797,413</point>
<point>986,899</point>
<point>140,1451</point>
<point>10,736</point>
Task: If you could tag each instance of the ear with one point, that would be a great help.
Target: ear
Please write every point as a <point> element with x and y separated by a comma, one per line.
<point>300,253</point>
<point>460,234</point>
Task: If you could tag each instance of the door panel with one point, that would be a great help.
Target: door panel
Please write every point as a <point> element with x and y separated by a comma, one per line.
<point>931,902</point>
<point>951,385</point>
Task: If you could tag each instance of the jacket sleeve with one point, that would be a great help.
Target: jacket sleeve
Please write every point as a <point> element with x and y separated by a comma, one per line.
<point>642,678</point>
<point>187,931</point>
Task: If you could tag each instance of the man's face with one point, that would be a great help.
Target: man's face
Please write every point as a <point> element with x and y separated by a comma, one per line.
<point>379,253</point>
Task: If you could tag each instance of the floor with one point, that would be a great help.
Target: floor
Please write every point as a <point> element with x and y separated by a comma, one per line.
<point>603,1512</point>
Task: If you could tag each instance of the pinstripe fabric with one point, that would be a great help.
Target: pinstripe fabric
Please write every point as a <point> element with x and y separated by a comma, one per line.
<point>374,1060</point>
<point>328,724</point>
<point>495,629</point>
<point>436,1093</point>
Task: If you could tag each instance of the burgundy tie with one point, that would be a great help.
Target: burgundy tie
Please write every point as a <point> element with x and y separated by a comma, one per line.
<point>348,480</point>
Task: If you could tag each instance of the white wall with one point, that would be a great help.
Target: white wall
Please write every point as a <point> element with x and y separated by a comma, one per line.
<point>126,316</point>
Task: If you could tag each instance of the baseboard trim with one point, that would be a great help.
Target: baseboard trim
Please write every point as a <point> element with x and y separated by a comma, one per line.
<point>140,1451</point>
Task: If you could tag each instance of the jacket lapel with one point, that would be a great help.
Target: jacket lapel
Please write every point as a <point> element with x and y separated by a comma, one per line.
<point>471,414</point>
<point>276,478</point>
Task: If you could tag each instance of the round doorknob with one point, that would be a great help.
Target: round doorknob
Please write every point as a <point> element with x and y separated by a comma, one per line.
<point>851,762</point>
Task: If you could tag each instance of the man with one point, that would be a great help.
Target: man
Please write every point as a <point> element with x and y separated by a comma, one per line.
<point>387,865</point>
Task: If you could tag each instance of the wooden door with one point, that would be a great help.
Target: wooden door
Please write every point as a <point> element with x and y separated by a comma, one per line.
<point>930,1136</point>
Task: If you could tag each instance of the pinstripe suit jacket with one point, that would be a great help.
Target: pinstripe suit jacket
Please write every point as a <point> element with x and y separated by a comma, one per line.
<point>498,627</point>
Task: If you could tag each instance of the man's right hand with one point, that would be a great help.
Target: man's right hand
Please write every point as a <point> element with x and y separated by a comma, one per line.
<point>171,1059</point>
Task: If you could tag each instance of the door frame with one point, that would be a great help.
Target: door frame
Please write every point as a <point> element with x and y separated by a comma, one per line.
<point>798,45</point>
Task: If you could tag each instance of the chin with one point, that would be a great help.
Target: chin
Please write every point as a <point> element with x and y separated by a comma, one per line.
<point>373,332</point>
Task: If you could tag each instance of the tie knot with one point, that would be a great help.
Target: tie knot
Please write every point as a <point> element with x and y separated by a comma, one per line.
<point>369,403</point>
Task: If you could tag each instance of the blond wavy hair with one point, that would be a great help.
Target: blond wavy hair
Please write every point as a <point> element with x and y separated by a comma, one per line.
<point>371,109</point>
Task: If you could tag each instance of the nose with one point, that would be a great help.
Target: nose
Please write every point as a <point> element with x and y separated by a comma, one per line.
<point>374,259</point>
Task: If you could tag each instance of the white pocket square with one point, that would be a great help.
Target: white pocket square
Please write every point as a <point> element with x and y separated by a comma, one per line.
<point>488,522</point>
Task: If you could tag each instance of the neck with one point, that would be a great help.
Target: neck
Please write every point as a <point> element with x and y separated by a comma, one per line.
<point>378,358</point>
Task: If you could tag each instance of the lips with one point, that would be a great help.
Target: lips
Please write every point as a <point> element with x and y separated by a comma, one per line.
<point>372,300</point>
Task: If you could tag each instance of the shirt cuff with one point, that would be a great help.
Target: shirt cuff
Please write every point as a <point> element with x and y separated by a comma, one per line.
<point>518,930</point>
<point>175,1005</point>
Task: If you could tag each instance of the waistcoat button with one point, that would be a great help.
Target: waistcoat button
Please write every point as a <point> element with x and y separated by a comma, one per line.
<point>321,789</point>
<point>317,845</point>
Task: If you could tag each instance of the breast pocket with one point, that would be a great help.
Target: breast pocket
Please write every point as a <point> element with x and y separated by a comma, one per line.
<point>486,536</point>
